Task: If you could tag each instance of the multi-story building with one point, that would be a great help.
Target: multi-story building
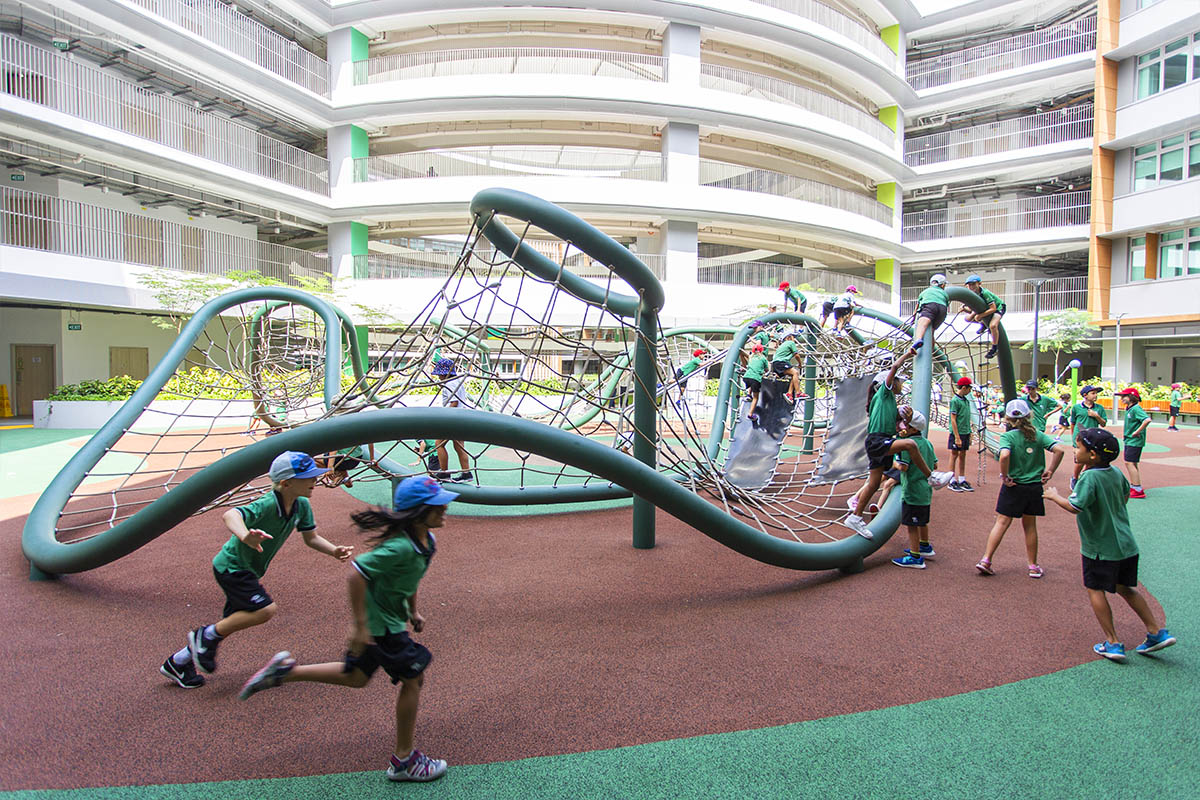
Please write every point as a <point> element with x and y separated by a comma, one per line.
<point>730,143</point>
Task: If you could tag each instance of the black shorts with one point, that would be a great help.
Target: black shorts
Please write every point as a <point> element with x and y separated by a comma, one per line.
<point>400,657</point>
<point>341,463</point>
<point>827,308</point>
<point>753,384</point>
<point>781,367</point>
<point>934,312</point>
<point>1174,411</point>
<point>878,447</point>
<point>1133,454</point>
<point>838,313</point>
<point>1063,422</point>
<point>1021,500</point>
<point>803,306</point>
<point>1106,575</point>
<point>915,516</point>
<point>892,473</point>
<point>242,590</point>
<point>966,445</point>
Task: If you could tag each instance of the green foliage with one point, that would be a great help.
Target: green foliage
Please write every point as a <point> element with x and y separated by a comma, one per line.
<point>121,387</point>
<point>1066,331</point>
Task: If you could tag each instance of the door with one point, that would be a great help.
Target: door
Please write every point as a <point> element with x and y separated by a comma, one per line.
<point>131,361</point>
<point>33,376</point>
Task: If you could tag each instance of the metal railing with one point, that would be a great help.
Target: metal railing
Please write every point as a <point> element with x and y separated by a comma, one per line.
<point>1003,54</point>
<point>230,30</point>
<point>1071,124</point>
<point>511,61</point>
<point>567,160</point>
<point>57,81</point>
<point>1002,216</point>
<point>758,273</point>
<point>746,83</point>
<point>720,174</point>
<point>838,21</point>
<point>1058,294</point>
<point>425,264</point>
<point>41,222</point>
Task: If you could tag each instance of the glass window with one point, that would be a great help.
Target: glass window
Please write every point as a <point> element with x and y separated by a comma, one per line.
<point>1148,76</point>
<point>1171,166</point>
<point>1196,55</point>
<point>1137,258</point>
<point>1145,173</point>
<point>1175,64</point>
<point>1166,161</point>
<point>1193,262</point>
<point>1171,254</point>
<point>1167,67</point>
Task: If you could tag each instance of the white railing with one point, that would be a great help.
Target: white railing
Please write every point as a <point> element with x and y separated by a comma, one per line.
<point>512,161</point>
<point>424,264</point>
<point>757,273</point>
<point>1002,216</point>
<point>1058,294</point>
<point>41,222</point>
<point>60,82</point>
<point>720,174</point>
<point>225,27</point>
<point>838,21</point>
<point>1073,124</point>
<point>511,61</point>
<point>1004,54</point>
<point>746,83</point>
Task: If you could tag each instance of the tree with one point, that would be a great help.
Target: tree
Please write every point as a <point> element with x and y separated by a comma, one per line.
<point>1064,331</point>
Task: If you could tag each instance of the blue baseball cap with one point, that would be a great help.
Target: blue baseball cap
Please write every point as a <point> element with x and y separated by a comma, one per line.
<point>444,366</point>
<point>974,279</point>
<point>420,490</point>
<point>293,464</point>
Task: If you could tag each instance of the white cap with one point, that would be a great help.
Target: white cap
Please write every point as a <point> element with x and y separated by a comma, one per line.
<point>937,280</point>
<point>918,421</point>
<point>1016,409</point>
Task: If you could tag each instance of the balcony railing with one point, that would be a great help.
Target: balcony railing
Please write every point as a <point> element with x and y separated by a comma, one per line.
<point>1072,124</point>
<point>511,61</point>
<point>1002,216</point>
<point>757,273</point>
<point>751,84</point>
<point>230,30</point>
<point>1058,294</point>
<point>720,174</point>
<point>835,20</point>
<point>425,264</point>
<point>72,87</point>
<point>1004,54</point>
<point>50,224</point>
<point>513,161</point>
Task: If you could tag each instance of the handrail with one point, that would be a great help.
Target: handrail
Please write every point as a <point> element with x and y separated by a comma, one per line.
<point>222,24</point>
<point>1002,216</point>
<point>66,84</point>
<point>766,275</point>
<point>747,83</point>
<point>837,21</point>
<point>511,61</point>
<point>721,174</point>
<point>1057,41</point>
<point>51,224</point>
<point>1057,294</point>
<point>515,161</point>
<point>1051,127</point>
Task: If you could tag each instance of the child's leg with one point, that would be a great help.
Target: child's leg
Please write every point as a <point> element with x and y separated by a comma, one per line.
<point>1029,523</point>
<point>914,454</point>
<point>883,494</point>
<point>996,535</point>
<point>406,714</point>
<point>1075,472</point>
<point>868,491</point>
<point>994,328</point>
<point>919,336</point>
<point>240,620</point>
<point>443,456</point>
<point>1103,612</point>
<point>914,538</point>
<point>1139,605</point>
<point>794,374</point>
<point>332,672</point>
<point>464,458</point>
<point>1135,474</point>
<point>922,536</point>
<point>753,402</point>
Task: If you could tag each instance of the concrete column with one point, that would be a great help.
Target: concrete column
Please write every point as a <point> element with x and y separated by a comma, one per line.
<point>343,144</point>
<point>681,149</point>
<point>679,245</point>
<point>346,240</point>
<point>681,46</point>
<point>344,47</point>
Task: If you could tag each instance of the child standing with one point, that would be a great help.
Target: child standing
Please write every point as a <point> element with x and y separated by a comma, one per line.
<point>931,309</point>
<point>793,296</point>
<point>453,395</point>
<point>1110,554</point>
<point>1040,406</point>
<point>383,600</point>
<point>960,435</point>
<point>1086,414</point>
<point>755,371</point>
<point>843,310</point>
<point>917,494</point>
<point>1174,404</point>
<point>259,529</point>
<point>1023,471</point>
<point>1136,423</point>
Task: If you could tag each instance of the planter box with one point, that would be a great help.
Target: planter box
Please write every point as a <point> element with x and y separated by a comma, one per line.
<point>161,416</point>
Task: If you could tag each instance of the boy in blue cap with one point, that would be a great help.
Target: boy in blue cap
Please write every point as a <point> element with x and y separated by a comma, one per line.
<point>258,530</point>
<point>383,601</point>
<point>989,318</point>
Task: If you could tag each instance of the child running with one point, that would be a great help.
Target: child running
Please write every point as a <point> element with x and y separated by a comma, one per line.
<point>793,296</point>
<point>1023,471</point>
<point>960,435</point>
<point>1086,414</point>
<point>1110,554</point>
<point>917,494</point>
<point>1136,423</point>
<point>753,378</point>
<point>383,600</point>
<point>259,529</point>
<point>931,309</point>
<point>1064,421</point>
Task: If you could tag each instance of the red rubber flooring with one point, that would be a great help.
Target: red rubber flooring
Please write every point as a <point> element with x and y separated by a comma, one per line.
<point>550,635</point>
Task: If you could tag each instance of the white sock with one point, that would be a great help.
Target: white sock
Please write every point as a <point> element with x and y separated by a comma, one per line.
<point>210,634</point>
<point>1138,487</point>
<point>182,658</point>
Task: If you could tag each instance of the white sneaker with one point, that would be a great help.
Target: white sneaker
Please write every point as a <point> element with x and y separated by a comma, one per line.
<point>939,480</point>
<point>859,526</point>
<point>852,503</point>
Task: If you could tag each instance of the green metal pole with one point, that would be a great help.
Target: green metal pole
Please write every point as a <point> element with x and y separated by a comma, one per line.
<point>810,389</point>
<point>1074,385</point>
<point>645,422</point>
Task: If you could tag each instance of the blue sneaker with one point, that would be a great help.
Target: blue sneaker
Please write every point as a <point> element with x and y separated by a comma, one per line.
<point>927,550</point>
<point>1113,652</point>
<point>909,560</point>
<point>1155,642</point>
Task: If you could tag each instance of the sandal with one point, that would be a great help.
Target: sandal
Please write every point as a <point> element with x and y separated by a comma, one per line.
<point>1035,571</point>
<point>985,566</point>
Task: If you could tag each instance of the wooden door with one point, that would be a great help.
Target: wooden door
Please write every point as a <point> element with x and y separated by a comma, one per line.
<point>33,376</point>
<point>131,361</point>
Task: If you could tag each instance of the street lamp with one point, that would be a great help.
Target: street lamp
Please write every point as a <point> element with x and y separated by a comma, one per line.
<point>1117,365</point>
<point>1037,284</point>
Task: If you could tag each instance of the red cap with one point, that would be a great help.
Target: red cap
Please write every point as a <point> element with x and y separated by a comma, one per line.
<point>758,348</point>
<point>1130,392</point>
<point>785,285</point>
<point>698,352</point>
<point>964,381</point>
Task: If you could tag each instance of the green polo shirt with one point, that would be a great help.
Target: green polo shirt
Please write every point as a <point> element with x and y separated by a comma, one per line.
<point>934,294</point>
<point>757,367</point>
<point>961,409</point>
<point>1026,457</point>
<point>690,367</point>
<point>1176,397</point>
<point>882,413</point>
<point>991,297</point>
<point>1038,411</point>
<point>1100,496</point>
<point>1081,419</point>
<point>1135,415</point>
<point>917,491</point>
<point>762,337</point>
<point>796,295</point>
<point>392,569</point>
<point>265,514</point>
<point>785,351</point>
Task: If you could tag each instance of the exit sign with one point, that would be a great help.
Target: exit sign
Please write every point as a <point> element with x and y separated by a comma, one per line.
<point>60,43</point>
<point>16,176</point>
<point>74,326</point>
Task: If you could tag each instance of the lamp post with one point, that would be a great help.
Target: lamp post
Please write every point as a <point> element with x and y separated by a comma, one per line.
<point>1037,284</point>
<point>1117,366</point>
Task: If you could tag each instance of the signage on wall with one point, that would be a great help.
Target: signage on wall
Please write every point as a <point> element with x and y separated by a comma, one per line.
<point>74,326</point>
<point>16,176</point>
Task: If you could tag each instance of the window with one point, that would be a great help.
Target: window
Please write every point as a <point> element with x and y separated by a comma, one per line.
<point>1194,155</point>
<point>1179,253</point>
<point>1166,161</point>
<point>1137,258</point>
<point>1168,66</point>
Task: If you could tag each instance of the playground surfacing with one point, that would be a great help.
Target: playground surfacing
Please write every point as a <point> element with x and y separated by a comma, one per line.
<point>554,636</point>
